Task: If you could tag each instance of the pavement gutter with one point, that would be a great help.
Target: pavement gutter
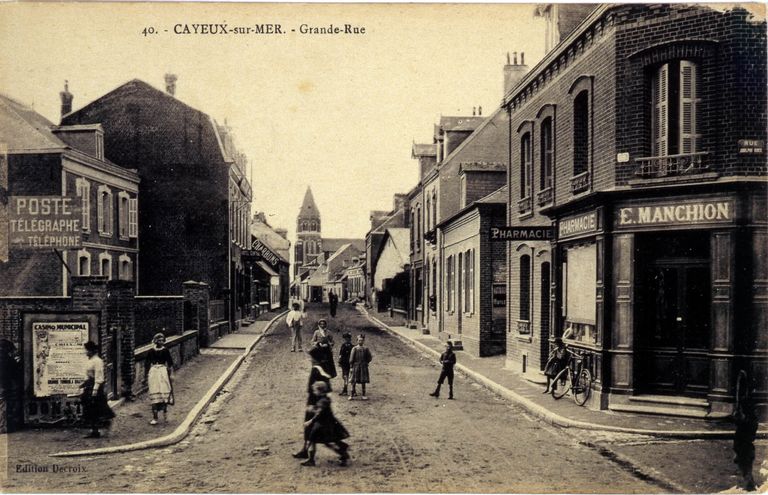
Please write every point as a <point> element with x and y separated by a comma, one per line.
<point>184,428</point>
<point>544,413</point>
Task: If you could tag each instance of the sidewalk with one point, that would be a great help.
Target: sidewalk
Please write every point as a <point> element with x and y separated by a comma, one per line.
<point>131,423</point>
<point>564,412</point>
<point>245,336</point>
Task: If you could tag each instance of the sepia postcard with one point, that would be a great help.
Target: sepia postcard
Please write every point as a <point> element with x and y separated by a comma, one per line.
<point>383,248</point>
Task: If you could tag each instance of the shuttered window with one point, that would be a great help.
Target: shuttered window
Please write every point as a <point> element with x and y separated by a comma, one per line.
<point>547,153</point>
<point>525,165</point>
<point>83,188</point>
<point>133,217</point>
<point>676,105</point>
<point>105,213</point>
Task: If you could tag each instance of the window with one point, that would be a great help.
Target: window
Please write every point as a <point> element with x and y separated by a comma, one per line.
<point>126,267</point>
<point>99,146</point>
<point>434,210</point>
<point>525,288</point>
<point>83,263</point>
<point>675,102</point>
<point>580,283</point>
<point>133,217</point>
<point>105,213</point>
<point>547,154</point>
<point>499,295</point>
<point>122,214</point>
<point>581,133</point>
<point>427,226</point>
<point>105,265</point>
<point>450,281</point>
<point>413,231</point>
<point>418,229</point>
<point>469,281</point>
<point>83,188</point>
<point>463,194</point>
<point>525,165</point>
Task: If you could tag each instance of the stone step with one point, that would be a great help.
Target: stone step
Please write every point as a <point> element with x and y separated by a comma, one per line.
<point>671,400</point>
<point>682,412</point>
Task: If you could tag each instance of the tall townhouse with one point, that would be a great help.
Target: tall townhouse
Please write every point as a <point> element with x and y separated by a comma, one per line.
<point>424,300</point>
<point>640,137</point>
<point>416,247</point>
<point>380,222</point>
<point>194,219</point>
<point>45,160</point>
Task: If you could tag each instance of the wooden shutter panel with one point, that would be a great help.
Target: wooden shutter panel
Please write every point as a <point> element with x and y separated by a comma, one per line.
<point>688,102</point>
<point>133,217</point>
<point>101,212</point>
<point>661,108</point>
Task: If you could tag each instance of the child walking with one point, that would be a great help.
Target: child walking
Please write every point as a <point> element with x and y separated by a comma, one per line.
<point>358,362</point>
<point>323,427</point>
<point>448,360</point>
<point>344,353</point>
<point>316,375</point>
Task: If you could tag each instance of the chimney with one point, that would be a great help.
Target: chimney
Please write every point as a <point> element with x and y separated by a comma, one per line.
<point>479,111</point>
<point>66,99</point>
<point>170,84</point>
<point>399,202</point>
<point>514,72</point>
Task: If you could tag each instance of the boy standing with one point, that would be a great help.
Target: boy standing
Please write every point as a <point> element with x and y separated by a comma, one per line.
<point>295,320</point>
<point>344,353</point>
<point>448,360</point>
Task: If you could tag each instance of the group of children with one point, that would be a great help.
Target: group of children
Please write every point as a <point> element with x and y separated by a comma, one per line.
<point>320,425</point>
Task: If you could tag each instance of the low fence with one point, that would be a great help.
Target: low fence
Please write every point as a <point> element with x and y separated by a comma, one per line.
<point>158,314</point>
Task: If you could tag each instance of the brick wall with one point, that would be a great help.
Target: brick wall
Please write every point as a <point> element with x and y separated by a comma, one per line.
<point>481,184</point>
<point>730,51</point>
<point>158,314</point>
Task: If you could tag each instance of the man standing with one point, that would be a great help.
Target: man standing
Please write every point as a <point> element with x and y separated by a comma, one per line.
<point>295,320</point>
<point>448,360</point>
<point>333,301</point>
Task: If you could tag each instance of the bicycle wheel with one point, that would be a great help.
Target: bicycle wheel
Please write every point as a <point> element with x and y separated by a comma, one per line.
<point>583,387</point>
<point>561,384</point>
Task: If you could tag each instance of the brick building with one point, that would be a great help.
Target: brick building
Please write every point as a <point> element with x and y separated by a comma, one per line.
<point>641,137</point>
<point>195,208</point>
<point>43,159</point>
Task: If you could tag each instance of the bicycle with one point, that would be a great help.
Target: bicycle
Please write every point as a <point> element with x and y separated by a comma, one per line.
<point>575,378</point>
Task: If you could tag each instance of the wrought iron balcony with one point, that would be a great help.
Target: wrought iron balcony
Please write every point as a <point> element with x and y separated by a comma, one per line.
<point>524,206</point>
<point>430,236</point>
<point>545,196</point>
<point>523,326</point>
<point>580,183</point>
<point>671,165</point>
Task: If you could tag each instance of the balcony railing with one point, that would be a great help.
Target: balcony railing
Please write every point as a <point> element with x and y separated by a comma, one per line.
<point>523,326</point>
<point>430,236</point>
<point>524,206</point>
<point>580,183</point>
<point>545,196</point>
<point>671,165</point>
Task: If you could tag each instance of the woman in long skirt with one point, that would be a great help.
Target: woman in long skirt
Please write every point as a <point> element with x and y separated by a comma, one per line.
<point>159,378</point>
<point>96,411</point>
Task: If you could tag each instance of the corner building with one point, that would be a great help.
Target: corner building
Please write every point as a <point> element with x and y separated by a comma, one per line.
<point>641,137</point>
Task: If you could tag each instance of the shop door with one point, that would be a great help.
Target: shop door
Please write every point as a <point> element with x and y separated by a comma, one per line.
<point>675,325</point>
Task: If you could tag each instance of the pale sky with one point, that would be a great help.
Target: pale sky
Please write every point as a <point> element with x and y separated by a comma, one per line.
<point>338,113</point>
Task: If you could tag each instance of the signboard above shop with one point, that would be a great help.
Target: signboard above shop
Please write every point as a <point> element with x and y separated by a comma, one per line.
<point>45,222</point>
<point>506,234</point>
<point>260,251</point>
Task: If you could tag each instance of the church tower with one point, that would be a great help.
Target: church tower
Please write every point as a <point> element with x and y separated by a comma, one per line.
<point>308,240</point>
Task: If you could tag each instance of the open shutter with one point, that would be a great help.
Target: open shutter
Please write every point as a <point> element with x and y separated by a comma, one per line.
<point>661,109</point>
<point>101,212</point>
<point>688,101</point>
<point>133,217</point>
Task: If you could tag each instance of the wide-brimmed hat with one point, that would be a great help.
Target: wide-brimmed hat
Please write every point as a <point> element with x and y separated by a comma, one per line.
<point>322,320</point>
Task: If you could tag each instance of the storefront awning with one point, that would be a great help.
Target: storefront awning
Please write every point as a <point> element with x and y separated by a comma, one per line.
<point>267,269</point>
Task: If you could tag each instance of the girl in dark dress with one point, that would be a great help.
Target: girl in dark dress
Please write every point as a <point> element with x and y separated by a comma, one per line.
<point>316,375</point>
<point>344,353</point>
<point>96,411</point>
<point>159,378</point>
<point>323,427</point>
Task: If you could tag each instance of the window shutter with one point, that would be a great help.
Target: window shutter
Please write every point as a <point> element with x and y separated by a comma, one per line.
<point>101,212</point>
<point>86,205</point>
<point>133,217</point>
<point>688,101</point>
<point>661,106</point>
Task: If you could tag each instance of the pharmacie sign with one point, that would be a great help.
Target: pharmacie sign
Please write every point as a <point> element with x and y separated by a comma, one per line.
<point>43,222</point>
<point>676,214</point>
<point>522,233</point>
<point>58,357</point>
<point>577,225</point>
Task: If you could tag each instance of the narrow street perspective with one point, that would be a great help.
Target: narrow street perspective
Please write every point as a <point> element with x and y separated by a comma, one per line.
<point>381,248</point>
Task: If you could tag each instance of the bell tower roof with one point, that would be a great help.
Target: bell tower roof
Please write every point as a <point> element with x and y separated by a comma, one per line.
<point>308,206</point>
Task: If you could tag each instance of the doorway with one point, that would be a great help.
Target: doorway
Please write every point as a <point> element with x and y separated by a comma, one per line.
<point>673,313</point>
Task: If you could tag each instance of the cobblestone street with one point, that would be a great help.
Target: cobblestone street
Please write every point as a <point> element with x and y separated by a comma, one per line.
<point>401,439</point>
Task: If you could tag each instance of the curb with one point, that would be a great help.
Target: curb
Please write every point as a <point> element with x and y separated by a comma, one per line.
<point>545,414</point>
<point>184,428</point>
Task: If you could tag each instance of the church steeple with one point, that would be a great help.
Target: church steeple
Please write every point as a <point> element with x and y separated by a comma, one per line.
<point>308,207</point>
